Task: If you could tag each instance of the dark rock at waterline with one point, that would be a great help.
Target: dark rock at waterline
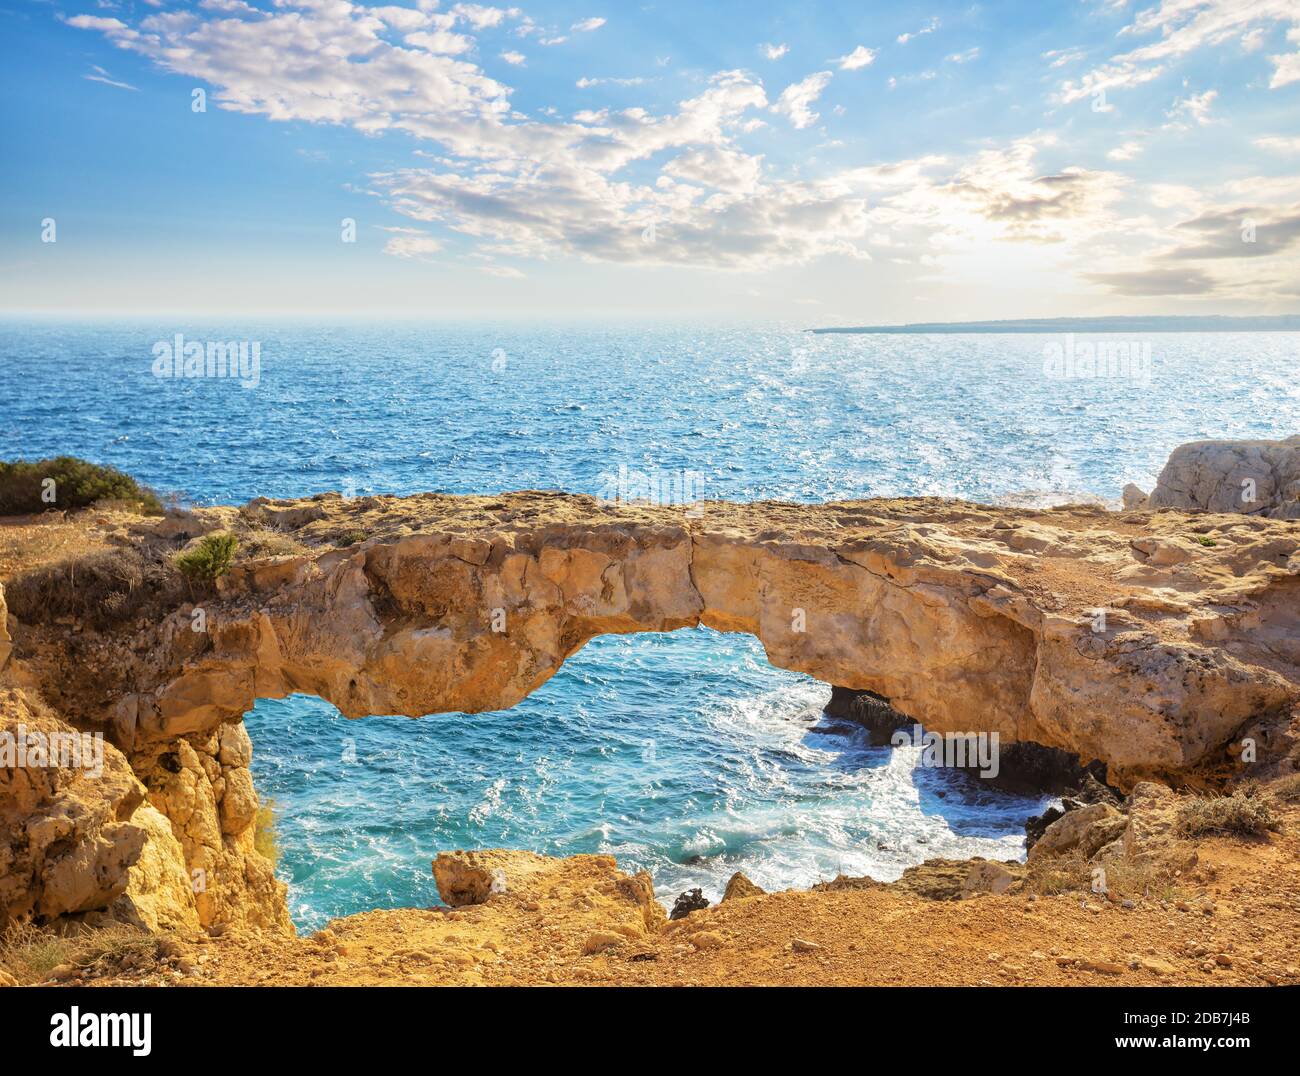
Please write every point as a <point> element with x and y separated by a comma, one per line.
<point>690,901</point>
<point>1036,825</point>
<point>1090,791</point>
<point>1032,769</point>
<point>869,710</point>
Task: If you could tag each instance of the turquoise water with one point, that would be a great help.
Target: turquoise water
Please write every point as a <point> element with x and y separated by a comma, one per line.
<point>685,754</point>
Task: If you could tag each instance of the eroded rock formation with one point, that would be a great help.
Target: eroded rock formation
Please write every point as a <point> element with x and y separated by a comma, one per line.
<point>1150,642</point>
<point>1144,642</point>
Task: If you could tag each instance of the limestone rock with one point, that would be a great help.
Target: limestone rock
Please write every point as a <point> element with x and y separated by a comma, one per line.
<point>987,876</point>
<point>6,640</point>
<point>1254,477</point>
<point>67,839</point>
<point>739,886</point>
<point>591,886</point>
<point>1133,497</point>
<point>159,894</point>
<point>1074,829</point>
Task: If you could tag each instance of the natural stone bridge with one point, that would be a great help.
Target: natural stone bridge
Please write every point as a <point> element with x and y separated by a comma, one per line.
<point>1140,641</point>
<point>1153,642</point>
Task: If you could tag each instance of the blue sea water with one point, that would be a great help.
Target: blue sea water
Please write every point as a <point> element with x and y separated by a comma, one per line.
<point>685,754</point>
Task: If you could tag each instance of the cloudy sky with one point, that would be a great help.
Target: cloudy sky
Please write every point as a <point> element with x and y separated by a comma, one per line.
<point>816,162</point>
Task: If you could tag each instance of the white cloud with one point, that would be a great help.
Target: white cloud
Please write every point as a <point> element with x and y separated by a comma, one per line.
<point>774,52</point>
<point>481,17</point>
<point>859,57</point>
<point>512,57</point>
<point>586,26</point>
<point>1287,66</point>
<point>588,187</point>
<point>410,243</point>
<point>964,57</point>
<point>1061,57</point>
<point>585,83</point>
<point>1186,26</point>
<point>1194,108</point>
<point>797,99</point>
<point>1279,143</point>
<point>929,28</point>
<point>440,41</point>
<point>1125,152</point>
<point>102,76</point>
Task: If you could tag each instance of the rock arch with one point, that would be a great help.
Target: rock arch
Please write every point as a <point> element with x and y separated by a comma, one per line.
<point>968,618</point>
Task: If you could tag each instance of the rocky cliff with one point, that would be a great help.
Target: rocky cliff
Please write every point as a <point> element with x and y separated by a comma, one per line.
<point>1155,643</point>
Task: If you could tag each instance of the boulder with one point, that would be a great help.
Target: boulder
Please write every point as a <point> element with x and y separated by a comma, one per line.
<point>692,900</point>
<point>1253,477</point>
<point>1083,826</point>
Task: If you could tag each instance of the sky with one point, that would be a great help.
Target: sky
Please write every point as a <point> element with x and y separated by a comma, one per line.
<point>819,163</point>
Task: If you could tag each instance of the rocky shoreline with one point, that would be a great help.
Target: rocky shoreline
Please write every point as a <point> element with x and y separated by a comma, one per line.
<point>1126,660</point>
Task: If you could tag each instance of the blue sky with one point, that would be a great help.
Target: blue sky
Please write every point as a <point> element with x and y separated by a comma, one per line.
<point>822,163</point>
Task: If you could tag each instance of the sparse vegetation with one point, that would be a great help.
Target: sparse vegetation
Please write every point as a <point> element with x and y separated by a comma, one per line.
<point>30,953</point>
<point>259,542</point>
<point>67,482</point>
<point>1244,813</point>
<point>352,537</point>
<point>99,589</point>
<point>210,559</point>
<point>264,841</point>
<point>1126,877</point>
<point>1287,789</point>
<point>1065,873</point>
<point>1206,540</point>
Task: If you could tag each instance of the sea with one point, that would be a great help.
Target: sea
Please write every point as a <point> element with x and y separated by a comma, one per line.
<point>684,754</point>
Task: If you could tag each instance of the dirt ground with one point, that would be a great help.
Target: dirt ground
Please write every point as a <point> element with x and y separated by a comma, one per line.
<point>1235,920</point>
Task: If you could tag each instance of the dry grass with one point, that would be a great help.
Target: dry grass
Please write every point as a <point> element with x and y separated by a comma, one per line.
<point>257,543</point>
<point>38,541</point>
<point>1287,789</point>
<point>1065,873</point>
<point>264,841</point>
<point>101,589</point>
<point>1244,813</point>
<point>30,954</point>
<point>1125,878</point>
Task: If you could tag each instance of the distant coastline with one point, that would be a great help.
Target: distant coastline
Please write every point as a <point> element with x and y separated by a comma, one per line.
<point>1158,324</point>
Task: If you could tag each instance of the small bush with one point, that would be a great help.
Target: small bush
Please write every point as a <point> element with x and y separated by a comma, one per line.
<point>352,538</point>
<point>210,559</point>
<point>1287,789</point>
<point>1245,813</point>
<point>264,542</point>
<point>264,842</point>
<point>76,484</point>
<point>101,589</point>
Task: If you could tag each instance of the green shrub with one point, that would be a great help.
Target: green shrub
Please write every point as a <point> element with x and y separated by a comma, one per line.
<point>210,559</point>
<point>76,484</point>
